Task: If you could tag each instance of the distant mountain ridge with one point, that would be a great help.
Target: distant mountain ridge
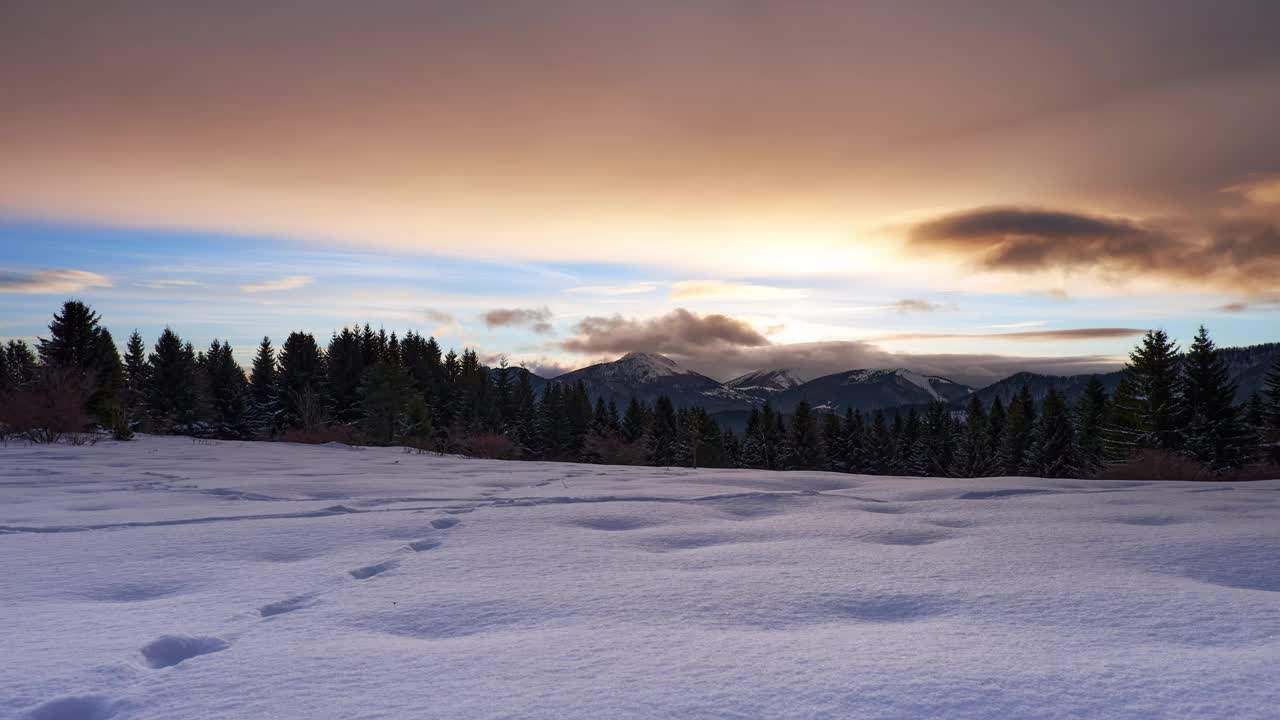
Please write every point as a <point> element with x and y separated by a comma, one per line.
<point>646,376</point>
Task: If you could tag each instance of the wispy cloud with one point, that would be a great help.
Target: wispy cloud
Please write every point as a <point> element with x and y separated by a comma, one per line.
<point>292,282</point>
<point>438,316</point>
<point>50,281</point>
<point>638,288</point>
<point>910,305</point>
<point>724,290</point>
<point>1097,333</point>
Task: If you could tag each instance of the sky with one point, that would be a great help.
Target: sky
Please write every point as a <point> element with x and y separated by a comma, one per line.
<point>961,187</point>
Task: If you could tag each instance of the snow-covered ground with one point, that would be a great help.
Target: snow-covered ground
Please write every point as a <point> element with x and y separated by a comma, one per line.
<point>167,579</point>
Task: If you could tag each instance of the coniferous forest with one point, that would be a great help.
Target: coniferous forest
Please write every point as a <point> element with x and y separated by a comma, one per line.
<point>1173,414</point>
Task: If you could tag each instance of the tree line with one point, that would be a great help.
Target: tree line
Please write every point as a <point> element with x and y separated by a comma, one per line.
<point>367,386</point>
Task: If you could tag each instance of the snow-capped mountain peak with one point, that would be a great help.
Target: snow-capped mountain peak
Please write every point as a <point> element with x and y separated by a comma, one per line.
<point>775,380</point>
<point>644,366</point>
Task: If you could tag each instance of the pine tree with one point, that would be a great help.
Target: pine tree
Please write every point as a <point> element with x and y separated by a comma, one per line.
<point>833,443</point>
<point>78,343</point>
<point>1149,413</point>
<point>1019,421</point>
<point>301,381</point>
<point>345,363</point>
<point>936,449</point>
<point>974,456</point>
<point>1213,433</point>
<point>1271,405</point>
<point>264,404</point>
<point>172,398</point>
<point>995,426</point>
<point>634,422</point>
<point>137,377</point>
<point>663,433</point>
<point>878,454</point>
<point>804,440</point>
<point>855,439</point>
<point>22,363</point>
<point>1092,416</point>
<point>751,454</point>
<point>1052,452</point>
<point>386,398</point>
<point>228,391</point>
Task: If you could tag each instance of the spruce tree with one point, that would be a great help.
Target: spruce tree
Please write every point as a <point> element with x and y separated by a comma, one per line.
<point>634,422</point>
<point>264,404</point>
<point>1150,412</point>
<point>1213,433</point>
<point>22,363</point>
<point>663,433</point>
<point>855,432</point>
<point>804,440</point>
<point>228,393</point>
<point>77,343</point>
<point>387,396</point>
<point>1271,403</point>
<point>752,452</point>
<point>1019,421</point>
<point>137,377</point>
<point>935,450</point>
<point>833,442</point>
<point>1092,416</point>
<point>172,399</point>
<point>1051,452</point>
<point>301,381</point>
<point>878,451</point>
<point>974,456</point>
<point>345,363</point>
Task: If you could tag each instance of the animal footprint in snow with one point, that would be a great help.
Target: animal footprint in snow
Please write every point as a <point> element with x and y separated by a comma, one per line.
<point>422,545</point>
<point>444,522</point>
<point>369,571</point>
<point>169,650</point>
<point>287,605</point>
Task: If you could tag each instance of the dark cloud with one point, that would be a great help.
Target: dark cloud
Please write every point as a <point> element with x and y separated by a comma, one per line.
<point>908,305</point>
<point>1235,307</point>
<point>679,332</point>
<point>1236,255</point>
<point>517,317</point>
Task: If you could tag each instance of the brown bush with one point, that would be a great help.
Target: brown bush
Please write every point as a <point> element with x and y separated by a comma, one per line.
<point>490,446</point>
<point>322,434</point>
<point>1257,471</point>
<point>615,451</point>
<point>1157,465</point>
<point>50,408</point>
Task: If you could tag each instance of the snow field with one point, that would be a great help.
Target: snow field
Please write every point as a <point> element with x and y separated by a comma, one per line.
<point>162,578</point>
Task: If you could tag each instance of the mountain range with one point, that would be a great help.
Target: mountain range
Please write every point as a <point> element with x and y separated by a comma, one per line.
<point>647,376</point>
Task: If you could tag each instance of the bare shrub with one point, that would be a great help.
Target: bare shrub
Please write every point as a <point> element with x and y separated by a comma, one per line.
<point>1257,471</point>
<point>322,434</point>
<point>1157,465</point>
<point>614,451</point>
<point>49,408</point>
<point>490,446</point>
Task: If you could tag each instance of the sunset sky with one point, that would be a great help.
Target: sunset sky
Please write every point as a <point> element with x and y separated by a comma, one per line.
<point>962,187</point>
